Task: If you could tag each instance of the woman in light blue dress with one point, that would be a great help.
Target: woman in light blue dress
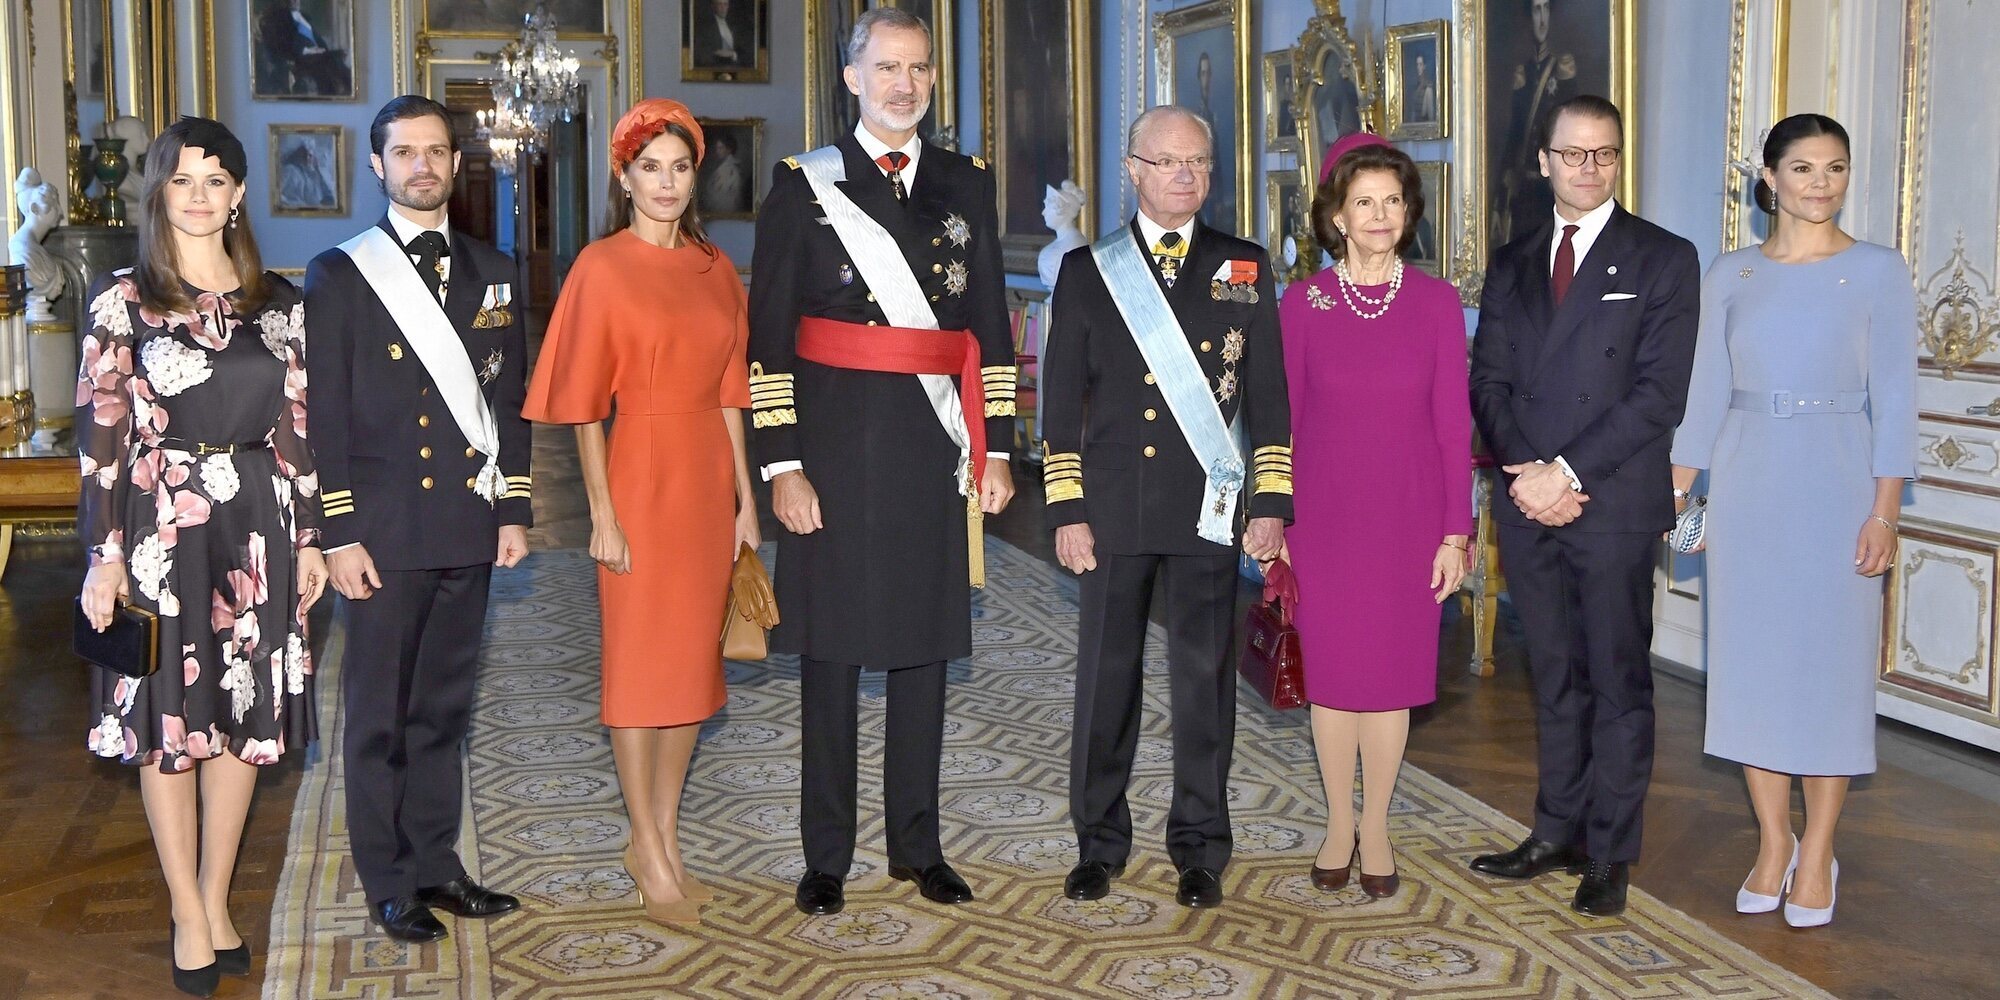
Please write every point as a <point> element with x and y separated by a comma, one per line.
<point>1803,410</point>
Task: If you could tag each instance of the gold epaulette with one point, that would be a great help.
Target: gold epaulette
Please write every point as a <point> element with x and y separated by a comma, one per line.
<point>334,503</point>
<point>979,161</point>
<point>771,400</point>
<point>1062,475</point>
<point>518,488</point>
<point>1271,469</point>
<point>1002,384</point>
<point>792,162</point>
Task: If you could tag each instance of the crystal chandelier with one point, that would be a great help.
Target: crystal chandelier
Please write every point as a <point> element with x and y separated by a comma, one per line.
<point>538,86</point>
<point>503,131</point>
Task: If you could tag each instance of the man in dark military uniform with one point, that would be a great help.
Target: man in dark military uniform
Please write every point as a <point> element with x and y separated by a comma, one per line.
<point>1163,350</point>
<point>417,367</point>
<point>877,279</point>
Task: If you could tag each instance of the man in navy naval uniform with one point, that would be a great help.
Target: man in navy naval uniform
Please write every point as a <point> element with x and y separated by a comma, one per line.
<point>417,368</point>
<point>1165,338</point>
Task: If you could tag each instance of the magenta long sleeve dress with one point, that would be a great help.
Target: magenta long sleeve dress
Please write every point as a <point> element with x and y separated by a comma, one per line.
<point>1382,471</point>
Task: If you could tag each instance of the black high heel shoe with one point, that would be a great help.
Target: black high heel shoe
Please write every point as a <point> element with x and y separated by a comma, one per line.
<point>200,982</point>
<point>234,961</point>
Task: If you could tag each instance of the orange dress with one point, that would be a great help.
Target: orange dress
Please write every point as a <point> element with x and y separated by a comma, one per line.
<point>661,334</point>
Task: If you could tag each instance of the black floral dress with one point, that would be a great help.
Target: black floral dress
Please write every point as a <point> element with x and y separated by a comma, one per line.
<point>209,539</point>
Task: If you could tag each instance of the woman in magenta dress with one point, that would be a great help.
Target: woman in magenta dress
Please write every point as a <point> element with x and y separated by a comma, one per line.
<point>1382,453</point>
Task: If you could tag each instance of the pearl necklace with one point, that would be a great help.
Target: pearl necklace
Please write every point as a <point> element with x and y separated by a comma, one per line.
<point>1350,290</point>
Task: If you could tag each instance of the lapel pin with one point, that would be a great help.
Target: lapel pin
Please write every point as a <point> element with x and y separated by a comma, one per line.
<point>846,274</point>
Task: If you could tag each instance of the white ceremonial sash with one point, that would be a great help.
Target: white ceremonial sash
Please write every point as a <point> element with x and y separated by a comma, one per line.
<point>1165,346</point>
<point>880,260</point>
<point>422,319</point>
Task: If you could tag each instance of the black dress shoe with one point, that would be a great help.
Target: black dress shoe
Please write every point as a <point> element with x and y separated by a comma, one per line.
<point>1602,891</point>
<point>1533,857</point>
<point>1201,888</point>
<point>200,982</point>
<point>1091,879</point>
<point>234,961</point>
<point>465,898</point>
<point>405,919</point>
<point>820,893</point>
<point>938,883</point>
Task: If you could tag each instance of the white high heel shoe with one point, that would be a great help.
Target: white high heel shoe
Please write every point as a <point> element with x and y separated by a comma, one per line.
<point>1757,902</point>
<point>1807,916</point>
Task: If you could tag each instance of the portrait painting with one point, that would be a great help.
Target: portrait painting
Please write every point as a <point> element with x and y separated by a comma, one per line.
<point>1203,66</point>
<point>1331,89</point>
<point>726,41</point>
<point>726,185</point>
<point>1427,250</point>
<point>302,50</point>
<point>504,17</point>
<point>1539,54</point>
<point>1415,79</point>
<point>1281,127</point>
<point>1288,225</point>
<point>1034,139</point>
<point>831,110</point>
<point>308,170</point>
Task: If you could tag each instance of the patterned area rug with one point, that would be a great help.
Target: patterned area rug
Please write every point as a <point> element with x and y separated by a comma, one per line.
<point>544,821</point>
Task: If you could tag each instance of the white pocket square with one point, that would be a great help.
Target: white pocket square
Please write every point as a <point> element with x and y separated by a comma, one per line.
<point>1618,296</point>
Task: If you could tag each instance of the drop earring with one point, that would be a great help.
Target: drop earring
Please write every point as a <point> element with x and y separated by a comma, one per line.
<point>232,217</point>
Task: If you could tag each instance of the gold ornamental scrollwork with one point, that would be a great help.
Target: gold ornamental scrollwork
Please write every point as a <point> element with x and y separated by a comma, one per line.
<point>1965,673</point>
<point>1957,314</point>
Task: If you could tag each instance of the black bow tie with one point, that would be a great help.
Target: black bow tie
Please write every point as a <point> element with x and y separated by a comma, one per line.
<point>429,243</point>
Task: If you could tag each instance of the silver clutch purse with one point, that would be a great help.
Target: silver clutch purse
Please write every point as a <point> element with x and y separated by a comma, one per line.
<point>1690,527</point>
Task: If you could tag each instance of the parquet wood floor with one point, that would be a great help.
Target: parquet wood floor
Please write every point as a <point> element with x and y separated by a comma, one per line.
<point>82,913</point>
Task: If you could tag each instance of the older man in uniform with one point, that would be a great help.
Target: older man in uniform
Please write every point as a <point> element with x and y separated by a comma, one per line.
<point>877,280</point>
<point>418,366</point>
<point>1163,351</point>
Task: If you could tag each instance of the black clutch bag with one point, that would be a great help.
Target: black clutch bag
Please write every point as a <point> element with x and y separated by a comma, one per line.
<point>129,646</point>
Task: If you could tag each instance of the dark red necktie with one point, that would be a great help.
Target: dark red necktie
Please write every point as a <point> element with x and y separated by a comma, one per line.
<point>894,162</point>
<point>1565,268</point>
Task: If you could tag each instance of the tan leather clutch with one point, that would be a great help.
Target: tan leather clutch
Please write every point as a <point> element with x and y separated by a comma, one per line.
<point>752,611</point>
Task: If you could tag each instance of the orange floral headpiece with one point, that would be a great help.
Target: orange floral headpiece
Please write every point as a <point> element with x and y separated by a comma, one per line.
<point>644,123</point>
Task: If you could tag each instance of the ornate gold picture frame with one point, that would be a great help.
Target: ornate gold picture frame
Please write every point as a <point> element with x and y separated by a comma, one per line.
<point>502,18</point>
<point>1590,48</point>
<point>1203,54</point>
<point>1416,81</point>
<point>741,54</point>
<point>1334,88</point>
<point>1288,200</point>
<point>1281,126</point>
<point>313,62</point>
<point>309,170</point>
<point>1038,76</point>
<point>1428,252</point>
<point>830,109</point>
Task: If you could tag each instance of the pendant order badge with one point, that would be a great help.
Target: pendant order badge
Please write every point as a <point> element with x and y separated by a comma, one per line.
<point>956,277</point>
<point>846,274</point>
<point>957,230</point>
<point>490,370</point>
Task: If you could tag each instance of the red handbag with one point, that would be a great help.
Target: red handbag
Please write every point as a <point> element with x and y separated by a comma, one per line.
<point>1272,662</point>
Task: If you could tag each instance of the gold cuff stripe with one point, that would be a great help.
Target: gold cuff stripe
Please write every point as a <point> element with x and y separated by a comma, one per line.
<point>336,511</point>
<point>997,408</point>
<point>1274,449</point>
<point>785,400</point>
<point>336,494</point>
<point>1059,492</point>
<point>775,418</point>
<point>1272,482</point>
<point>783,381</point>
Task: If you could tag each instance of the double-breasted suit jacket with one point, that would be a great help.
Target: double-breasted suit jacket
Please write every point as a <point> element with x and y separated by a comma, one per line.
<point>1114,457</point>
<point>395,469</point>
<point>884,583</point>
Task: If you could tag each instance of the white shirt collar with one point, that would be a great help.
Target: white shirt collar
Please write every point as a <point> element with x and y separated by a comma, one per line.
<point>1588,229</point>
<point>875,148</point>
<point>407,230</point>
<point>1151,232</point>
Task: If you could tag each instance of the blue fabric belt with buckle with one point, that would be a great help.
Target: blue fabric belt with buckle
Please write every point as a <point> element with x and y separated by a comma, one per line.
<point>1792,403</point>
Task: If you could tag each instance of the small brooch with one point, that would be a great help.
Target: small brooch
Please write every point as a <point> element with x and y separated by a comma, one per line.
<point>955,277</point>
<point>395,352</point>
<point>490,370</point>
<point>1318,298</point>
<point>957,230</point>
<point>1743,273</point>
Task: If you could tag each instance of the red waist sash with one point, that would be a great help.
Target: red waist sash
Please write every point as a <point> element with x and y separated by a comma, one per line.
<point>907,352</point>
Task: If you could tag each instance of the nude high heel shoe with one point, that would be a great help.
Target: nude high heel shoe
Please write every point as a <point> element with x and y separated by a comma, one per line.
<point>683,911</point>
<point>1757,902</point>
<point>694,890</point>
<point>1810,916</point>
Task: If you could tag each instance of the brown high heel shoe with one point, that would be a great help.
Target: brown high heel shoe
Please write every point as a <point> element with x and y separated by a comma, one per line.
<point>683,911</point>
<point>696,891</point>
<point>1335,879</point>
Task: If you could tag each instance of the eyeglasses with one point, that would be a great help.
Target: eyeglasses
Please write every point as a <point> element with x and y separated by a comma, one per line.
<point>1606,156</point>
<point>1167,166</point>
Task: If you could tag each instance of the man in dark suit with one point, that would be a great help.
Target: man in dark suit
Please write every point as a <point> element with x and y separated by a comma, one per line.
<point>723,40</point>
<point>417,367</point>
<point>1167,335</point>
<point>872,253</point>
<point>298,49</point>
<point>1579,374</point>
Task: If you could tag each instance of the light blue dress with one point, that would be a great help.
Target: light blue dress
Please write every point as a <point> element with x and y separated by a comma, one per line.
<point>1804,392</point>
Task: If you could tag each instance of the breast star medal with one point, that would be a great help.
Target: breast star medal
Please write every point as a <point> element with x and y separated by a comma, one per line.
<point>957,230</point>
<point>956,277</point>
<point>1232,347</point>
<point>490,369</point>
<point>1318,298</point>
<point>1225,386</point>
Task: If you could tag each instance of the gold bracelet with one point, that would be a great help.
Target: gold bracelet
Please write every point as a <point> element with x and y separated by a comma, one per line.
<point>1462,547</point>
<point>1891,525</point>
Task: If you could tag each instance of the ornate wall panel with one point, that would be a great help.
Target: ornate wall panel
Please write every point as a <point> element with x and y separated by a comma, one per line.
<point>1938,626</point>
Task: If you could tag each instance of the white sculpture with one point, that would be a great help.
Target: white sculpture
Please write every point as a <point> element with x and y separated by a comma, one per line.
<point>1063,211</point>
<point>39,214</point>
<point>133,131</point>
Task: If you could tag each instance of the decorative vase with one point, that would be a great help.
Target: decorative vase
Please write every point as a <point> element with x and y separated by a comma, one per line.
<point>110,169</point>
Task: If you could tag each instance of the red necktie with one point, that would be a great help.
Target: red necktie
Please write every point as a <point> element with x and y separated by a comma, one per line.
<point>893,162</point>
<point>1565,269</point>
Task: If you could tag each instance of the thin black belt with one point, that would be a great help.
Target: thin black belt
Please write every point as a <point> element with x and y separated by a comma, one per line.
<point>205,448</point>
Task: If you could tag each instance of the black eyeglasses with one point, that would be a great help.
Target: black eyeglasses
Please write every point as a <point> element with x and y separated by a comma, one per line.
<point>1606,156</point>
<point>1167,166</point>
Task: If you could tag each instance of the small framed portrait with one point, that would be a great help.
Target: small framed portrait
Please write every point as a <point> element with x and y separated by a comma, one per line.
<point>1416,79</point>
<point>1288,224</point>
<point>726,41</point>
<point>301,50</point>
<point>1427,250</point>
<point>308,170</point>
<point>726,185</point>
<point>502,18</point>
<point>1203,54</point>
<point>1281,127</point>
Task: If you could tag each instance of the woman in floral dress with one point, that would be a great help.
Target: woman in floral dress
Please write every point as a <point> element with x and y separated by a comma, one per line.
<point>199,503</point>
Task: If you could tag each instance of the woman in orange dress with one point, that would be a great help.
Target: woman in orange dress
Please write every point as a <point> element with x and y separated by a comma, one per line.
<point>653,319</point>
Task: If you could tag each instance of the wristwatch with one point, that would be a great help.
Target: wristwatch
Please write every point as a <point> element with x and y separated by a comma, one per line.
<point>1681,494</point>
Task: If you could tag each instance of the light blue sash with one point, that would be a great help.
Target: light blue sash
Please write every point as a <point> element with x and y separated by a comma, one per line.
<point>1165,346</point>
